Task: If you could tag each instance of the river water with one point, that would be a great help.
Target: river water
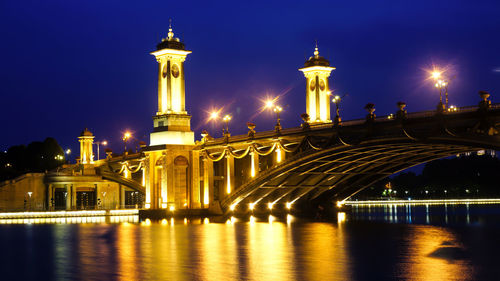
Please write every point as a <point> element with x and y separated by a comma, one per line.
<point>403,243</point>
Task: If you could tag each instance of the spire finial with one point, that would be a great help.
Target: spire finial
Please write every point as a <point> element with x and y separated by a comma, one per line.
<point>170,32</point>
<point>316,52</point>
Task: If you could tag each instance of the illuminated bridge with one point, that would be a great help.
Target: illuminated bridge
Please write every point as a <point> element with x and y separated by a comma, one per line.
<point>338,160</point>
<point>321,159</point>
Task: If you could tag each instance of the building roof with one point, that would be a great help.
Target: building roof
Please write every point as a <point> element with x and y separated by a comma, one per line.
<point>170,42</point>
<point>86,133</point>
<point>316,60</point>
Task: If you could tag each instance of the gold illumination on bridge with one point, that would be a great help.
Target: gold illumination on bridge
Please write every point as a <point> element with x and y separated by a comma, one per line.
<point>252,164</point>
<point>206,201</point>
<point>279,155</point>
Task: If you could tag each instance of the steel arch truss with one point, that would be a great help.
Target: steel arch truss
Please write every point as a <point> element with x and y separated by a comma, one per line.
<point>341,171</point>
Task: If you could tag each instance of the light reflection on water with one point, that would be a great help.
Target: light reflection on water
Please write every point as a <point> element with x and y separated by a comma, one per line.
<point>434,253</point>
<point>429,214</point>
<point>255,248</point>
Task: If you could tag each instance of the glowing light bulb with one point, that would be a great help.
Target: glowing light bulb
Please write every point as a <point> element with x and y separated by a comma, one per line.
<point>436,75</point>
<point>269,104</point>
<point>214,115</point>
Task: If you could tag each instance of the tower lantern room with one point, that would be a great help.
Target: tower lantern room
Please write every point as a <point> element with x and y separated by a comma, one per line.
<point>86,140</point>
<point>171,122</point>
<point>317,70</point>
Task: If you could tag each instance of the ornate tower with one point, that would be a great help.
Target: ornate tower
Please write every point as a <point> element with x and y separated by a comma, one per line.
<point>171,165</point>
<point>317,70</point>
<point>172,122</point>
<point>86,140</point>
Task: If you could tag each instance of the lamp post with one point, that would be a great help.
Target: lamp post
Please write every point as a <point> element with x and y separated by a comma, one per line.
<point>126,136</point>
<point>278,109</point>
<point>440,85</point>
<point>214,115</point>
<point>226,119</point>
<point>99,143</point>
<point>67,152</point>
<point>29,196</point>
<point>337,121</point>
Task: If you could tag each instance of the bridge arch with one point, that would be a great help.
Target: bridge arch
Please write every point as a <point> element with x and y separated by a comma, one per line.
<point>342,170</point>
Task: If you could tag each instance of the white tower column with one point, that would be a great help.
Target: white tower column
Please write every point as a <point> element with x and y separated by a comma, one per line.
<point>317,70</point>
<point>171,122</point>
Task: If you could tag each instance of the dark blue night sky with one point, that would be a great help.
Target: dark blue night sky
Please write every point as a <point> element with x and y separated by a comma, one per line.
<point>67,65</point>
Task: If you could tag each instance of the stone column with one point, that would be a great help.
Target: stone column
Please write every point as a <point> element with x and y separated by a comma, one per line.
<point>166,179</point>
<point>254,164</point>
<point>328,99</point>
<point>148,170</point>
<point>317,100</point>
<point>97,197</point>
<point>120,196</point>
<point>280,155</point>
<point>194,183</point>
<point>169,182</point>
<point>207,181</point>
<point>73,196</point>
<point>50,195</point>
<point>229,175</point>
<point>182,93</point>
<point>160,86</point>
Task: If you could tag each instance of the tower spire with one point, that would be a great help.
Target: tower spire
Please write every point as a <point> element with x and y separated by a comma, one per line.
<point>170,32</point>
<point>316,52</point>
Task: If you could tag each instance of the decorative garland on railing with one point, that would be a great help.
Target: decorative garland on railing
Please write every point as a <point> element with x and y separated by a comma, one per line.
<point>215,159</point>
<point>253,147</point>
<point>238,156</point>
<point>125,165</point>
<point>297,146</point>
<point>261,151</point>
<point>313,146</point>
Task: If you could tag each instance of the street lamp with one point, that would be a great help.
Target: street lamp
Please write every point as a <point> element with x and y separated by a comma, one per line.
<point>436,74</point>
<point>29,196</point>
<point>126,136</point>
<point>98,143</point>
<point>214,116</point>
<point>336,100</point>
<point>276,108</point>
<point>441,84</point>
<point>226,119</point>
<point>67,152</point>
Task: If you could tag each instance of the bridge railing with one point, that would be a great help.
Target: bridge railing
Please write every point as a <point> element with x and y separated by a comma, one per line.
<point>354,122</point>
